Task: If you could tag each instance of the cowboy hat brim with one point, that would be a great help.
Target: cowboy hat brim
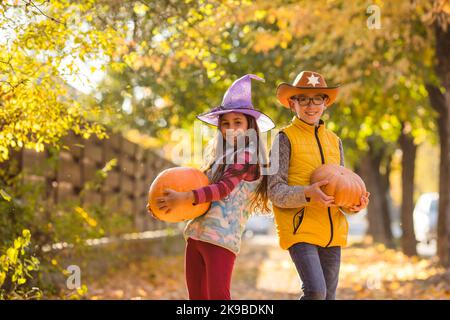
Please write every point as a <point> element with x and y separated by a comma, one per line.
<point>286,90</point>
<point>264,122</point>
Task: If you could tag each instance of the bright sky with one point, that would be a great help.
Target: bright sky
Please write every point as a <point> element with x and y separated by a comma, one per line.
<point>90,73</point>
<point>87,80</point>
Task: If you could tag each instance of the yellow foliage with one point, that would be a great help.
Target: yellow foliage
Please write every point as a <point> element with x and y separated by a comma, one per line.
<point>37,108</point>
<point>89,220</point>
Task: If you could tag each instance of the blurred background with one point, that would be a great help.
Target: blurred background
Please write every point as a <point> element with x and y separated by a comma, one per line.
<point>96,98</point>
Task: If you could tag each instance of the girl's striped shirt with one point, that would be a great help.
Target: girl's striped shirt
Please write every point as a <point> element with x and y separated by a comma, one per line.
<point>229,181</point>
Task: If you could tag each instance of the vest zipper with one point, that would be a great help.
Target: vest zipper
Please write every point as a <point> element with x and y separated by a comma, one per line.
<point>316,133</point>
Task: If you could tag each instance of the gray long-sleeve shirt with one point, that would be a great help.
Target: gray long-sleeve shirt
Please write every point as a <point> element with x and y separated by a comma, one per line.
<point>280,193</point>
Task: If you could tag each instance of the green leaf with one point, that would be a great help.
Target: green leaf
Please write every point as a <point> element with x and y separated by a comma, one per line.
<point>12,255</point>
<point>2,278</point>
<point>5,195</point>
<point>26,233</point>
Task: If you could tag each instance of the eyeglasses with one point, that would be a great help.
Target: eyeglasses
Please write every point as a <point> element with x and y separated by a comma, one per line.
<point>304,100</point>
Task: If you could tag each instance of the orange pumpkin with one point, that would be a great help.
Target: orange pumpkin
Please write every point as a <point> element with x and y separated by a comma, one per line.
<point>178,179</point>
<point>345,185</point>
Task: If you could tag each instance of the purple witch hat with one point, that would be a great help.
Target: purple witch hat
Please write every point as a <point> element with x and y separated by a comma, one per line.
<point>238,98</point>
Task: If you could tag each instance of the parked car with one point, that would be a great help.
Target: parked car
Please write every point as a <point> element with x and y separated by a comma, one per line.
<point>259,224</point>
<point>357,224</point>
<point>425,217</point>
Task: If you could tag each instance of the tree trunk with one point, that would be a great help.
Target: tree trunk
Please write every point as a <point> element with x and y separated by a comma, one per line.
<point>409,149</point>
<point>441,103</point>
<point>385,186</point>
<point>374,208</point>
<point>437,101</point>
<point>378,210</point>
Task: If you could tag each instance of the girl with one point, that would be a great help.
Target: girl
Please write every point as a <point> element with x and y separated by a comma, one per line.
<point>309,225</point>
<point>237,188</point>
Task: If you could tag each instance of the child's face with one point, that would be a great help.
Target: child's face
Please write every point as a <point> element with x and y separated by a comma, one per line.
<point>232,124</point>
<point>309,107</point>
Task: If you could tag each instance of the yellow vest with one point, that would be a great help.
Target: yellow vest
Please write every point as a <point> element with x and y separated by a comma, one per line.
<point>311,146</point>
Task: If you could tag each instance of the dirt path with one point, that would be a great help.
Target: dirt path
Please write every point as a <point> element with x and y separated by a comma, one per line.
<point>263,271</point>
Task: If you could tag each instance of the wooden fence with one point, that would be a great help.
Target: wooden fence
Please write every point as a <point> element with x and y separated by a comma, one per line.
<point>125,188</point>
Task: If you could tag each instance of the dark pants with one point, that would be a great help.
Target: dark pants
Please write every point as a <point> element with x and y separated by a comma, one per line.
<point>318,269</point>
<point>208,270</point>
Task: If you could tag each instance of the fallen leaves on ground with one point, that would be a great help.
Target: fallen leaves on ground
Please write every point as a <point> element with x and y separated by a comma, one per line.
<point>375,272</point>
<point>263,271</point>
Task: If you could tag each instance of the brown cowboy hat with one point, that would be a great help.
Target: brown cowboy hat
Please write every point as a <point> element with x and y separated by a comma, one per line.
<point>306,82</point>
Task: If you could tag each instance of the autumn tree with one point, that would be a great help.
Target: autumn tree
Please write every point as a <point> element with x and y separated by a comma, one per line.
<point>41,44</point>
<point>439,94</point>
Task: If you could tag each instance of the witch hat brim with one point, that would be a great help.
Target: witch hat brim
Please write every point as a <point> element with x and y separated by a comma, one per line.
<point>212,117</point>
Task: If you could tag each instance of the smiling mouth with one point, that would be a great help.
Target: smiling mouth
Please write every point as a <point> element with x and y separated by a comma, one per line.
<point>311,113</point>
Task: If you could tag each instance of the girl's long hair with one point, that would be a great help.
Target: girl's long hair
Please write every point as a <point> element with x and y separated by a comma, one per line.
<point>260,201</point>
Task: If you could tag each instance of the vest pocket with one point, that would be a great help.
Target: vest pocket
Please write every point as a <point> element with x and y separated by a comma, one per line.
<point>298,219</point>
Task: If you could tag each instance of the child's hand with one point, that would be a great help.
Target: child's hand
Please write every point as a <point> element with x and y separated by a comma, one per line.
<point>317,195</point>
<point>364,203</point>
<point>173,198</point>
<point>151,212</point>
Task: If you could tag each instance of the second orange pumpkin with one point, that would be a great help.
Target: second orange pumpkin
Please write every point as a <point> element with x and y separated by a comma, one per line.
<point>345,185</point>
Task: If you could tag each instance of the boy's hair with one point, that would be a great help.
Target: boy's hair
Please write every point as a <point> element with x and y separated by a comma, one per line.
<point>259,202</point>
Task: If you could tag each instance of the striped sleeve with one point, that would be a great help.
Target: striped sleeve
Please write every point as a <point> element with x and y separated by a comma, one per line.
<point>229,181</point>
